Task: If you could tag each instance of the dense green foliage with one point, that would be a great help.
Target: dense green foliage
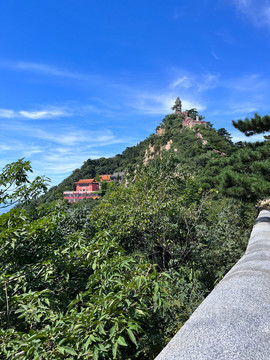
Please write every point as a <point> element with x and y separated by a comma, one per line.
<point>184,140</point>
<point>15,187</point>
<point>115,278</point>
<point>243,175</point>
<point>255,125</point>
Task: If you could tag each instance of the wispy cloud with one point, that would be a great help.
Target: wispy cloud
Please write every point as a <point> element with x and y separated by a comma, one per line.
<point>249,82</point>
<point>57,152</point>
<point>51,112</point>
<point>5,148</point>
<point>226,36</point>
<point>56,167</point>
<point>238,136</point>
<point>215,55</point>
<point>184,81</point>
<point>41,69</point>
<point>32,150</point>
<point>245,95</point>
<point>74,136</point>
<point>69,136</point>
<point>208,81</point>
<point>8,114</point>
<point>240,110</point>
<point>161,104</point>
<point>256,11</point>
<point>196,82</point>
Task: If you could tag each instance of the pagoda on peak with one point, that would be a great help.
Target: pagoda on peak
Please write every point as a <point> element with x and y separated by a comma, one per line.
<point>188,119</point>
<point>177,107</point>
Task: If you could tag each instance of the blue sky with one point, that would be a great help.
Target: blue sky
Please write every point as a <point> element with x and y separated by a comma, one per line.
<point>84,79</point>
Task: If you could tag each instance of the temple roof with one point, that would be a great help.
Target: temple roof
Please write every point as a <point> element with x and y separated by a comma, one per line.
<point>87,181</point>
<point>105,177</point>
<point>84,181</point>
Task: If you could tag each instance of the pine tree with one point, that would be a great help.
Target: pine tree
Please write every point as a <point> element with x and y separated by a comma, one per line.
<point>255,125</point>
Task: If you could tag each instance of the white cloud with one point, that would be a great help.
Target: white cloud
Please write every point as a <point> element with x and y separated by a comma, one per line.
<point>8,114</point>
<point>58,163</point>
<point>64,135</point>
<point>256,11</point>
<point>42,69</point>
<point>184,81</point>
<point>153,104</point>
<point>51,112</point>
<point>244,109</point>
<point>76,136</point>
<point>238,136</point>
<point>195,82</point>
<point>240,110</point>
<point>246,83</point>
<point>190,104</point>
<point>24,149</point>
<point>226,36</point>
<point>161,104</point>
<point>5,148</point>
<point>208,81</point>
<point>44,114</point>
<point>267,13</point>
<point>57,154</point>
<point>30,151</point>
<point>214,55</point>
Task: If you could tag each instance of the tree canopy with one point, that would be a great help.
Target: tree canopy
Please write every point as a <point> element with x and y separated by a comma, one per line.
<point>251,126</point>
<point>15,186</point>
<point>117,277</point>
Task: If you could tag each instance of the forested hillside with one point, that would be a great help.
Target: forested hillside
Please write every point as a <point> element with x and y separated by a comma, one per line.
<point>183,141</point>
<point>115,278</point>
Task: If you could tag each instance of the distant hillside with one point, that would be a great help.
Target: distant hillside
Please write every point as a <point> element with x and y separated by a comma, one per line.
<point>193,146</point>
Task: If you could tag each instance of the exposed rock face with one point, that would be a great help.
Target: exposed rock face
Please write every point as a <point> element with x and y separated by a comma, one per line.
<point>167,146</point>
<point>219,152</point>
<point>150,152</point>
<point>160,131</point>
<point>264,202</point>
<point>199,135</point>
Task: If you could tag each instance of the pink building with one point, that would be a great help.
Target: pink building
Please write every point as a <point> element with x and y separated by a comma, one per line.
<point>85,189</point>
<point>87,185</point>
<point>190,122</point>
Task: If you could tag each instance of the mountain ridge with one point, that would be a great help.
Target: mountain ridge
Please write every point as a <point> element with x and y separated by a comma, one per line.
<point>170,135</point>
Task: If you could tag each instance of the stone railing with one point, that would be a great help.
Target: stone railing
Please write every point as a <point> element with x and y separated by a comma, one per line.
<point>233,322</point>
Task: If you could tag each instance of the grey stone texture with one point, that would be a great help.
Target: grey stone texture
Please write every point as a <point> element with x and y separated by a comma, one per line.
<point>233,322</point>
<point>178,105</point>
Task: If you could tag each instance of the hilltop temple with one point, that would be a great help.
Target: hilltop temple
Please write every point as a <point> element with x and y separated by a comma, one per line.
<point>86,189</point>
<point>188,121</point>
<point>89,188</point>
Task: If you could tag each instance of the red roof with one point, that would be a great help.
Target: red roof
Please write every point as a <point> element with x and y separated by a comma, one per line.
<point>84,181</point>
<point>90,181</point>
<point>105,177</point>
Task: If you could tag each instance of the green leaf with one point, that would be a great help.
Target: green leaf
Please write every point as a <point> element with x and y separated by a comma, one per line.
<point>131,336</point>
<point>69,350</point>
<point>95,355</point>
<point>61,350</point>
<point>121,341</point>
<point>114,350</point>
<point>89,340</point>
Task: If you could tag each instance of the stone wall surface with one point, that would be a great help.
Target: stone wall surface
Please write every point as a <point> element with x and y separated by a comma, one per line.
<point>233,322</point>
